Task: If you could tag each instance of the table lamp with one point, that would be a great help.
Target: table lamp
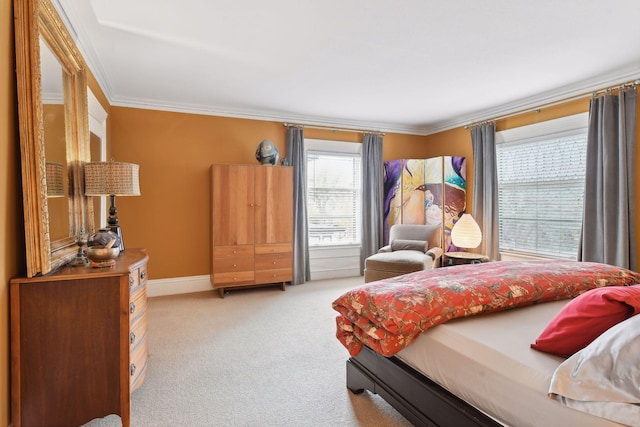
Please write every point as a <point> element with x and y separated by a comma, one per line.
<point>112,179</point>
<point>466,233</point>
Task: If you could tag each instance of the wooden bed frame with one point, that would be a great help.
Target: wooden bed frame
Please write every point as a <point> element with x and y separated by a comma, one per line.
<point>416,397</point>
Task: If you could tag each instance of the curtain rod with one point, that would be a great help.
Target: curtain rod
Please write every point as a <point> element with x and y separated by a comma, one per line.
<point>554,103</point>
<point>335,129</point>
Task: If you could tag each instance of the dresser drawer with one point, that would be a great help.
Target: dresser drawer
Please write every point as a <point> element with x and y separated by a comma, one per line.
<point>138,330</point>
<point>138,363</point>
<point>274,248</point>
<point>233,278</point>
<point>274,276</point>
<point>138,304</point>
<point>233,251</point>
<point>273,261</point>
<point>137,277</point>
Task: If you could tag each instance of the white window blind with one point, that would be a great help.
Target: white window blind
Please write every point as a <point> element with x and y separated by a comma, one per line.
<point>541,192</point>
<point>333,198</point>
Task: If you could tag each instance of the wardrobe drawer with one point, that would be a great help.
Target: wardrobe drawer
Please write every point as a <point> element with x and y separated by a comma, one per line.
<point>233,264</point>
<point>274,276</point>
<point>272,262</point>
<point>233,278</point>
<point>274,248</point>
<point>233,251</point>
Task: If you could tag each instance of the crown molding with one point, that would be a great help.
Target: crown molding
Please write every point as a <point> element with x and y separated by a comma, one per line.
<point>264,115</point>
<point>583,88</point>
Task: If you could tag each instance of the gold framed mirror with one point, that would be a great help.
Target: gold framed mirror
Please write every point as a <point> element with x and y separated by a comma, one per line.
<point>45,52</point>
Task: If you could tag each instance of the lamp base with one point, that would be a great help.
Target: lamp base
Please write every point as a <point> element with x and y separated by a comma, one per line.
<point>116,229</point>
<point>80,260</point>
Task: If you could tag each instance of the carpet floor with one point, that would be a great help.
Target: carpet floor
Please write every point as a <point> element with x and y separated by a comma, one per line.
<point>259,357</point>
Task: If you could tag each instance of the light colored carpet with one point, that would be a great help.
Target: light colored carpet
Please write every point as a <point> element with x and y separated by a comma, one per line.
<point>259,357</point>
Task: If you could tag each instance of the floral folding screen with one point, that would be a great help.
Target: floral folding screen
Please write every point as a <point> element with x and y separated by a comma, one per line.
<point>425,191</point>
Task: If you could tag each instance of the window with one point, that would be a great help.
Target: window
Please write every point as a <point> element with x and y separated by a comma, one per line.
<point>334,197</point>
<point>541,174</point>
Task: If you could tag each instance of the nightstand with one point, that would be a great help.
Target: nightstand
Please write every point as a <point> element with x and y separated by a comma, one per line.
<point>460,258</point>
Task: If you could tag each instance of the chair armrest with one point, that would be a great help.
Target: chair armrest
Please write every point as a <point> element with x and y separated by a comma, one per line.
<point>385,249</point>
<point>435,253</point>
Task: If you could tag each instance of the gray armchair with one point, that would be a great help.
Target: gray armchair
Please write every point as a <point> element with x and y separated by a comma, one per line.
<point>412,247</point>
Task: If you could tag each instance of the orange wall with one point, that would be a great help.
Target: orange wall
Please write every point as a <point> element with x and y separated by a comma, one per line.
<point>175,151</point>
<point>12,248</point>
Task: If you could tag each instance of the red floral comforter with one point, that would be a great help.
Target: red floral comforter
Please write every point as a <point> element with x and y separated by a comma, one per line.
<point>389,314</point>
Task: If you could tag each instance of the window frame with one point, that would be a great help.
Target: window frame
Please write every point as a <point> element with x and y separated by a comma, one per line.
<point>336,148</point>
<point>563,127</point>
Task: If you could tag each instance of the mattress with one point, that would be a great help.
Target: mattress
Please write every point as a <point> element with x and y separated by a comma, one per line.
<point>487,361</point>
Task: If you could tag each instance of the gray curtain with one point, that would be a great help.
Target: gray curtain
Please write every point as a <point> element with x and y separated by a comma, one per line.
<point>295,154</point>
<point>485,187</point>
<point>608,220</point>
<point>372,194</point>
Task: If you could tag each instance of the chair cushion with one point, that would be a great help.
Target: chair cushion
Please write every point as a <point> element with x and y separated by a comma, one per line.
<point>408,245</point>
<point>398,261</point>
<point>426,232</point>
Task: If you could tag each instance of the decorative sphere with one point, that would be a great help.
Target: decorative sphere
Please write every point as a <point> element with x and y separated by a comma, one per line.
<point>267,153</point>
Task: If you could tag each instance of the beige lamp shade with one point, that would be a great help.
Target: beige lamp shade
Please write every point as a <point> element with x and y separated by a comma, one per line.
<point>111,179</point>
<point>466,232</point>
<point>55,182</point>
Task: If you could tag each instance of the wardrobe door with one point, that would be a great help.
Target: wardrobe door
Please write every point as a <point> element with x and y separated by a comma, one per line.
<point>274,205</point>
<point>233,204</point>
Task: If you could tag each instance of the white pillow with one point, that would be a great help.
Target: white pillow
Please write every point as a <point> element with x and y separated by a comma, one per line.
<point>603,378</point>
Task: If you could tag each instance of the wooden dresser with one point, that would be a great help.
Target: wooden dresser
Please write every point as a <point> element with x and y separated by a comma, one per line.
<point>252,225</point>
<point>78,342</point>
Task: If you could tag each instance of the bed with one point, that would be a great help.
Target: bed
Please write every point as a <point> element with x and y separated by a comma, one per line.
<point>477,368</point>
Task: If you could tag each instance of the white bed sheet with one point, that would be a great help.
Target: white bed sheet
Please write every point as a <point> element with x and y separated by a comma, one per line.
<point>487,361</point>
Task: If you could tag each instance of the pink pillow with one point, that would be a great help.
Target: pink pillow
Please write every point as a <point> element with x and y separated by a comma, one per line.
<point>587,316</point>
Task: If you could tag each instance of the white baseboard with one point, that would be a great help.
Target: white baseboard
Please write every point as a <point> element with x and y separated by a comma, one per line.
<point>179,285</point>
<point>335,274</point>
<point>187,285</point>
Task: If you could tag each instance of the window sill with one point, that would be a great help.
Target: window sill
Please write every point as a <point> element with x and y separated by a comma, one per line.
<point>522,256</point>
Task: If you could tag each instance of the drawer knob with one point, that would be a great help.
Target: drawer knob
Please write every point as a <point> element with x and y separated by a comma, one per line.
<point>132,369</point>
<point>131,281</point>
<point>235,251</point>
<point>132,308</point>
<point>235,265</point>
<point>275,262</point>
<point>143,274</point>
<point>132,337</point>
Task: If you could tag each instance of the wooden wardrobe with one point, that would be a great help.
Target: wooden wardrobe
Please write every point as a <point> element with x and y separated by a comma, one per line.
<point>252,226</point>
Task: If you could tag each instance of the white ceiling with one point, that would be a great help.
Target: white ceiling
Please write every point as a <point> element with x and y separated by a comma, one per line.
<point>413,66</point>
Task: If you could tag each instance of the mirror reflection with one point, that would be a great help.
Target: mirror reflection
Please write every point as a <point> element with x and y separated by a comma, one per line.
<point>99,206</point>
<point>55,143</point>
